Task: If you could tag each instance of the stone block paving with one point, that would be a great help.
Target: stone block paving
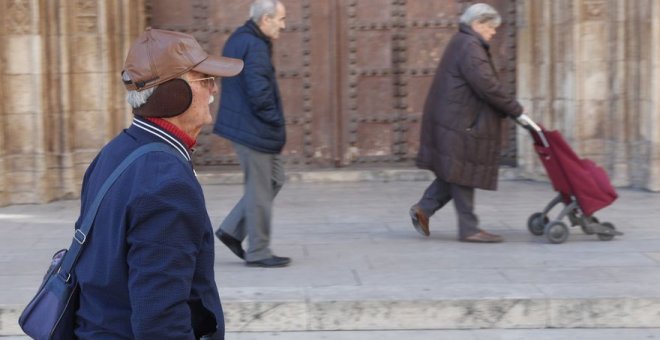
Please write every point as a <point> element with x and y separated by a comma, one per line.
<point>358,265</point>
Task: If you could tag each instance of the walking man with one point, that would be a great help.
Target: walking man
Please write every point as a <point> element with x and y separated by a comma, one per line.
<point>147,268</point>
<point>251,117</point>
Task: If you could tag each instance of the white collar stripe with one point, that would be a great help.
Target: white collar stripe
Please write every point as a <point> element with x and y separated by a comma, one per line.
<point>154,129</point>
<point>164,136</point>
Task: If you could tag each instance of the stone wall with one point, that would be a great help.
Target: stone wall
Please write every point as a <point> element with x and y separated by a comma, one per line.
<point>61,94</point>
<point>590,69</point>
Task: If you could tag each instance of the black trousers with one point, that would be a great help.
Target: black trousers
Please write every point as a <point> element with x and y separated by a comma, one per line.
<point>440,193</point>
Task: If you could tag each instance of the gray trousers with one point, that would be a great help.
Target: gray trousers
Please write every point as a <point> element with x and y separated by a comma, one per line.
<point>440,193</point>
<point>252,216</point>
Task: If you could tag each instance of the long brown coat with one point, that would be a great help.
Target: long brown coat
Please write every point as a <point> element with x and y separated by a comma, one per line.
<point>461,124</point>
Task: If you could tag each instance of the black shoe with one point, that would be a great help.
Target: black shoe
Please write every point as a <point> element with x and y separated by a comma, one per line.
<point>271,262</point>
<point>233,244</point>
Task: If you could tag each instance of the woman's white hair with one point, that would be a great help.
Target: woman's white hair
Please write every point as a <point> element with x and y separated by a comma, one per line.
<point>481,13</point>
<point>137,98</point>
<point>260,8</point>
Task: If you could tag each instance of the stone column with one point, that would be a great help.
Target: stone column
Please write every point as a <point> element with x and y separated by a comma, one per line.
<point>62,97</point>
<point>4,192</point>
<point>22,131</point>
<point>93,39</point>
<point>593,128</point>
<point>588,68</point>
<point>652,124</point>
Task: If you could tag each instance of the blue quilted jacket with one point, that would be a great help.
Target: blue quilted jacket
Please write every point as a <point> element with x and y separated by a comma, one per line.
<point>250,111</point>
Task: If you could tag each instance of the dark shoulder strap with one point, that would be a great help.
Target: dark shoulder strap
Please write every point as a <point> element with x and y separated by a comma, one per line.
<point>80,234</point>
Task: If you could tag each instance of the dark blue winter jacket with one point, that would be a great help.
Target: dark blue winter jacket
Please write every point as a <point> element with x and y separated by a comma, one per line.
<point>250,110</point>
<point>146,271</point>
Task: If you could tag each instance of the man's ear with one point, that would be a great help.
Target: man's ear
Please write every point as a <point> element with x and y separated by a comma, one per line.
<point>263,21</point>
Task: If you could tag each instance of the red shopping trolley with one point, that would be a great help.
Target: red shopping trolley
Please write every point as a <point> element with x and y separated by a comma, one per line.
<point>583,187</point>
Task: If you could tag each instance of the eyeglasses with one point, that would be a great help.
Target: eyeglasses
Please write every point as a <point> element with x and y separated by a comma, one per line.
<point>206,82</point>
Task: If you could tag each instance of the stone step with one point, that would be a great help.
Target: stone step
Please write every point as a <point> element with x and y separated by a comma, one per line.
<point>352,314</point>
<point>416,308</point>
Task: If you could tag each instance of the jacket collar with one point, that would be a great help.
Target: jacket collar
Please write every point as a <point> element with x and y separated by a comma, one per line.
<point>163,134</point>
<point>464,28</point>
<point>252,26</point>
<point>174,130</point>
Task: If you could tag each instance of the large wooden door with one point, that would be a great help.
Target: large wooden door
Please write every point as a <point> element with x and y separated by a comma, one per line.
<point>354,74</point>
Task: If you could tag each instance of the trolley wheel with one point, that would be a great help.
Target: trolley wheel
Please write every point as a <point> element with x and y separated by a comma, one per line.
<point>536,223</point>
<point>556,232</point>
<point>607,237</point>
<point>586,229</point>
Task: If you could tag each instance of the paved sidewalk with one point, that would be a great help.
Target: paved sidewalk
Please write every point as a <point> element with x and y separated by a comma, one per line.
<point>359,265</point>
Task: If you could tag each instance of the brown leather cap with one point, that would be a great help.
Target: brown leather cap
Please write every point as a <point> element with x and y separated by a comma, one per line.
<point>159,55</point>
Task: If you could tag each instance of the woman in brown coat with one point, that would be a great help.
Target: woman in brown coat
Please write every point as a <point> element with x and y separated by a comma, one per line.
<point>460,134</point>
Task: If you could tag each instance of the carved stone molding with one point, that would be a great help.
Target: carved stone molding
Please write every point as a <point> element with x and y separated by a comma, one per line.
<point>594,10</point>
<point>86,16</point>
<point>18,17</point>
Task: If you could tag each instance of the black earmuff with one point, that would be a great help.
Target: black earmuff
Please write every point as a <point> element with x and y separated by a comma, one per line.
<point>170,99</point>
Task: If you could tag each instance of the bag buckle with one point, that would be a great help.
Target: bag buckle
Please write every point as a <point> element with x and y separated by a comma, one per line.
<point>82,238</point>
<point>66,279</point>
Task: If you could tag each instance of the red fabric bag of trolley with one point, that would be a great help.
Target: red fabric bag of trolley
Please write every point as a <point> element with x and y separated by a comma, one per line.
<point>587,181</point>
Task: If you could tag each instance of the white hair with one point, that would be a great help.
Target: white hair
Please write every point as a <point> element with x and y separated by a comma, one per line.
<point>260,8</point>
<point>137,98</point>
<point>481,13</point>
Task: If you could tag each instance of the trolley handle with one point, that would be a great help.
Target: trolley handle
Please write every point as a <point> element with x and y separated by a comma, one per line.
<point>527,123</point>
